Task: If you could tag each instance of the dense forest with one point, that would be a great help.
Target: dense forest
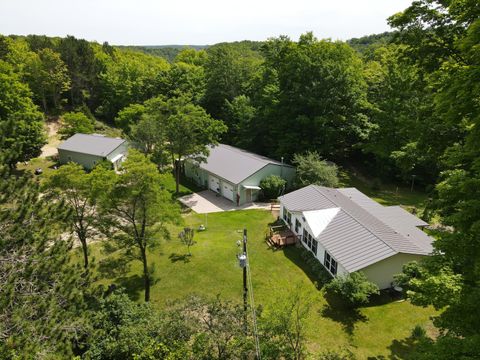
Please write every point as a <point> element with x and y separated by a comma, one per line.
<point>399,104</point>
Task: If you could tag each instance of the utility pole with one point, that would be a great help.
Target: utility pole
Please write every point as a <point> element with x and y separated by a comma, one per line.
<point>242,258</point>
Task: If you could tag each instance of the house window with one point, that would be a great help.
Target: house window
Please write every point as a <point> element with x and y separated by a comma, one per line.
<point>330,263</point>
<point>69,158</point>
<point>287,216</point>
<point>309,241</point>
<point>297,226</point>
<point>285,211</point>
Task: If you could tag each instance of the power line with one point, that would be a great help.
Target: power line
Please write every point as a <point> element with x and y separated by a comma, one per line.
<point>254,313</point>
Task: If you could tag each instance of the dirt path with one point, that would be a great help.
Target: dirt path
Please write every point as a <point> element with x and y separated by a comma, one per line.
<point>50,149</point>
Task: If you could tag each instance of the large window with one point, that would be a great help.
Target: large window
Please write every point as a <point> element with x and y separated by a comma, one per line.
<point>330,263</point>
<point>297,226</point>
<point>309,241</point>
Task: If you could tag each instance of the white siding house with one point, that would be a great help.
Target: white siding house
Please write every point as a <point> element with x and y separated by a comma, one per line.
<point>348,232</point>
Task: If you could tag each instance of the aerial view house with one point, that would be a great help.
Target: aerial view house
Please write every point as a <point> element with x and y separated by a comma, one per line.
<point>347,232</point>
<point>235,173</point>
<point>88,150</point>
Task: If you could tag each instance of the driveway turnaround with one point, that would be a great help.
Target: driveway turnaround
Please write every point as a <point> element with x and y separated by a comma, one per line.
<point>208,201</point>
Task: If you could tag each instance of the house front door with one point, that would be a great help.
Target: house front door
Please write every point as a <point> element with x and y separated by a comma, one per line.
<point>248,195</point>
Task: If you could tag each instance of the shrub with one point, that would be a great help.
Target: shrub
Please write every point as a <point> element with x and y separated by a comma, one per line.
<point>354,289</point>
<point>418,332</point>
<point>411,270</point>
<point>272,186</point>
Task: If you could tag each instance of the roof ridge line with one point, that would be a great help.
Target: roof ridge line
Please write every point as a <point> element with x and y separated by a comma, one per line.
<point>361,223</point>
<point>251,155</point>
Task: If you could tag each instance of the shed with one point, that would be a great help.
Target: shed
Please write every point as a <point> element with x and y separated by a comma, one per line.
<point>90,149</point>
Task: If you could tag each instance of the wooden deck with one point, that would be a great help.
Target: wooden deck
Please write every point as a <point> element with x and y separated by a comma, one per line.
<point>281,236</point>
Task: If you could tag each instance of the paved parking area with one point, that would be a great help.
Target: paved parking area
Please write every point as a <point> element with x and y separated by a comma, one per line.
<point>208,201</point>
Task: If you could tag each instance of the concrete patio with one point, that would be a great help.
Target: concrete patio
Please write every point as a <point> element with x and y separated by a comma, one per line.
<point>208,201</point>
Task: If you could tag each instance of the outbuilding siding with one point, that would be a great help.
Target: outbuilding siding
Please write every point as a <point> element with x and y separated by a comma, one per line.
<point>200,177</point>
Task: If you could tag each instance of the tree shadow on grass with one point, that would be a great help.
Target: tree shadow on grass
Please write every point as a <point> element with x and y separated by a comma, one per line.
<point>294,255</point>
<point>337,311</point>
<point>174,257</point>
<point>113,268</point>
<point>133,285</point>
<point>399,349</point>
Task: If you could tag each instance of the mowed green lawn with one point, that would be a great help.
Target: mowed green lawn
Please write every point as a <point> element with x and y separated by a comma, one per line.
<point>379,330</point>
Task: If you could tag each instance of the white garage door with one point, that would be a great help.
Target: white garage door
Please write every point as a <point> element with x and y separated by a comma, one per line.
<point>227,191</point>
<point>214,183</point>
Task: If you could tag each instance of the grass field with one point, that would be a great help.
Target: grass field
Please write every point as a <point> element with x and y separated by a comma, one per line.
<point>378,330</point>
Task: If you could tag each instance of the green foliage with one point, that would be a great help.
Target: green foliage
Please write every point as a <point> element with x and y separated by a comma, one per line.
<point>122,328</point>
<point>272,186</point>
<point>410,271</point>
<point>75,122</point>
<point>241,114</point>
<point>42,306</point>
<point>136,209</point>
<point>21,124</point>
<point>312,170</point>
<point>129,78</point>
<point>230,71</point>
<point>313,97</point>
<point>79,190</point>
<point>442,39</point>
<point>129,116</point>
<point>354,289</point>
<point>189,130</point>
<point>284,325</point>
<point>48,78</point>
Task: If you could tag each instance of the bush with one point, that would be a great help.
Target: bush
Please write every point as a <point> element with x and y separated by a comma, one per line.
<point>354,289</point>
<point>418,332</point>
<point>411,270</point>
<point>272,186</point>
<point>313,170</point>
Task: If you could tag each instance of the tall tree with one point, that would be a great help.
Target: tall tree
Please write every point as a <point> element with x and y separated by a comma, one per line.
<point>129,78</point>
<point>446,43</point>
<point>41,293</point>
<point>189,131</point>
<point>315,97</point>
<point>83,68</point>
<point>21,124</point>
<point>137,209</point>
<point>230,70</point>
<point>48,78</point>
<point>77,189</point>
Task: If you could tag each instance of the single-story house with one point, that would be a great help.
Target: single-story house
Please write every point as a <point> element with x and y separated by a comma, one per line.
<point>235,173</point>
<point>347,232</point>
<point>90,149</point>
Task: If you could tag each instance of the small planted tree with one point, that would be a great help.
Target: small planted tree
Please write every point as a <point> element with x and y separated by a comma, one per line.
<point>272,186</point>
<point>186,237</point>
<point>354,289</point>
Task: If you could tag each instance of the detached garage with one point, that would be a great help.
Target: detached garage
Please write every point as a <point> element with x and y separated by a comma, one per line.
<point>235,173</point>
